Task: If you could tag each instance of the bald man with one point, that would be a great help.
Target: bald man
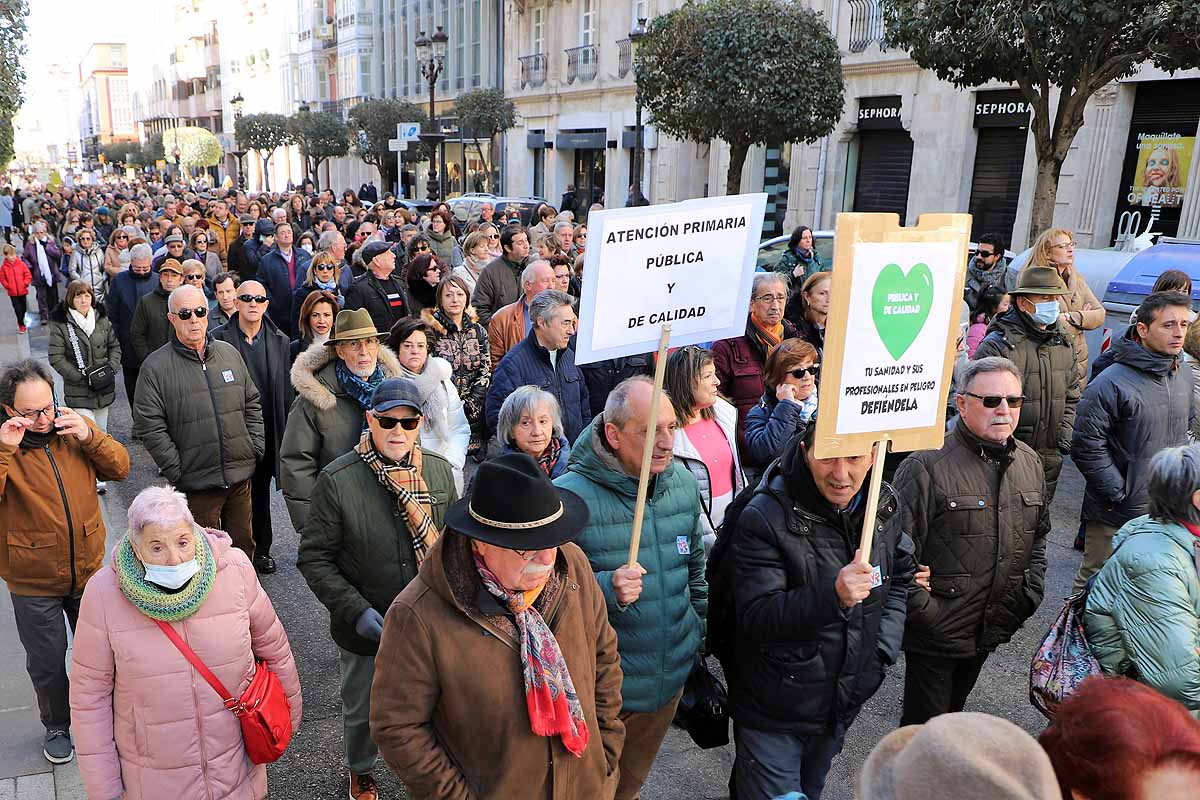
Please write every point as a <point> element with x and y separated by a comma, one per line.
<point>511,323</point>
<point>265,349</point>
<point>199,415</point>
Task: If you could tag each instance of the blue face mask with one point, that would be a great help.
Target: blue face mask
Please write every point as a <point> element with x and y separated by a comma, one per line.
<point>1045,313</point>
<point>172,577</point>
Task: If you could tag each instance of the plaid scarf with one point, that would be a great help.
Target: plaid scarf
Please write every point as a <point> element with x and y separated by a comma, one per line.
<point>356,387</point>
<point>412,495</point>
<point>549,455</point>
<point>554,708</point>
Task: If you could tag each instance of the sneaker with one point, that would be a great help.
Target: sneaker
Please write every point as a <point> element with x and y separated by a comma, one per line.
<point>101,487</point>
<point>58,748</point>
<point>265,565</point>
<point>362,787</point>
<point>21,329</point>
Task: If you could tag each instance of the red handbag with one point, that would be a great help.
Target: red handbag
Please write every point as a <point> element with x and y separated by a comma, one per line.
<point>262,709</point>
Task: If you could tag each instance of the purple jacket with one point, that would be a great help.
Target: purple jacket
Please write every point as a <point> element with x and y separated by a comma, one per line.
<point>53,257</point>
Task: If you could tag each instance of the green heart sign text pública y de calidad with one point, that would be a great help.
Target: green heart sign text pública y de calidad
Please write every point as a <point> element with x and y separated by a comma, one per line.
<point>900,305</point>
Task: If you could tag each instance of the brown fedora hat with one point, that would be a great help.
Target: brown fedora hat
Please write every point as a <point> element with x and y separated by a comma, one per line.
<point>1039,280</point>
<point>350,326</point>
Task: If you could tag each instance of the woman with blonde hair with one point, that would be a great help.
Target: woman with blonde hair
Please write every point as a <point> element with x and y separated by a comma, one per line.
<point>322,276</point>
<point>1080,309</point>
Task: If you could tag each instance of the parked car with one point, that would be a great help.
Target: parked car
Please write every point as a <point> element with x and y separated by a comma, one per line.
<point>466,207</point>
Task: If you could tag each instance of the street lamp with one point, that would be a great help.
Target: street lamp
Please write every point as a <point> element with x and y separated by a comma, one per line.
<point>431,55</point>
<point>237,101</point>
<point>639,153</point>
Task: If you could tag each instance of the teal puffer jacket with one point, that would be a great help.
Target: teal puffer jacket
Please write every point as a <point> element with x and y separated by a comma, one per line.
<point>659,635</point>
<point>1143,612</point>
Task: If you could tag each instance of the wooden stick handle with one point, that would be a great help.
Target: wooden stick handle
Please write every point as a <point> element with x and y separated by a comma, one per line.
<point>868,531</point>
<point>639,507</point>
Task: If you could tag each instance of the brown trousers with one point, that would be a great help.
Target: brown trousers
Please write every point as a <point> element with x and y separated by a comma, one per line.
<point>644,734</point>
<point>228,510</point>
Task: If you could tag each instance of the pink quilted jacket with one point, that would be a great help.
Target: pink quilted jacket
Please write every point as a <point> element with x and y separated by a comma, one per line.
<point>145,724</point>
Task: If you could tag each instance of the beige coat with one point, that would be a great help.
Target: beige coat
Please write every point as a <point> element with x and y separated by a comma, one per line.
<point>1078,320</point>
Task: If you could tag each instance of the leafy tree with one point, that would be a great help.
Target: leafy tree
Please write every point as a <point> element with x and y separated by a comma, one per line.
<point>486,113</point>
<point>319,136</point>
<point>12,56</point>
<point>7,150</point>
<point>745,71</point>
<point>373,123</point>
<point>123,153</point>
<point>152,150</point>
<point>1076,47</point>
<point>263,133</point>
<point>198,147</point>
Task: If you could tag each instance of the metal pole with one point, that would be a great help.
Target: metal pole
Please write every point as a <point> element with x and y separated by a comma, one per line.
<point>638,155</point>
<point>433,185</point>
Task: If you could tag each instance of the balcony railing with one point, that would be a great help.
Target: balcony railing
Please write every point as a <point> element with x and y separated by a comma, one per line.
<point>333,107</point>
<point>866,24</point>
<point>533,70</point>
<point>582,63</point>
<point>624,57</point>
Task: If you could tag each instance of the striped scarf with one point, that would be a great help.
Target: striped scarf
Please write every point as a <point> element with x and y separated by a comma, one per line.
<point>153,600</point>
<point>554,707</point>
<point>412,495</point>
<point>549,456</point>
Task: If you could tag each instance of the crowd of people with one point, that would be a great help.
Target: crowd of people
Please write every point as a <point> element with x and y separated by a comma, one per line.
<point>464,491</point>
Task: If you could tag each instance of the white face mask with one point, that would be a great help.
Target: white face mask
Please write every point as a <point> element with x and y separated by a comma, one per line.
<point>172,577</point>
<point>306,247</point>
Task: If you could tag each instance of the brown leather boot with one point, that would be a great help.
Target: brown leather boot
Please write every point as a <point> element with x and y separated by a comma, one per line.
<point>363,787</point>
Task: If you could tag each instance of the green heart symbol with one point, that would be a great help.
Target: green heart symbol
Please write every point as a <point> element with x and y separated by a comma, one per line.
<point>900,305</point>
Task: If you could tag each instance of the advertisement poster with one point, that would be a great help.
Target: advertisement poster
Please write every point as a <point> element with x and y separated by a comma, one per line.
<point>1160,177</point>
<point>690,264</point>
<point>902,298</point>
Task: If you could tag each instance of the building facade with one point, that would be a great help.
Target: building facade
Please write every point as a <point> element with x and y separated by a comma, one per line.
<point>906,143</point>
<point>104,116</point>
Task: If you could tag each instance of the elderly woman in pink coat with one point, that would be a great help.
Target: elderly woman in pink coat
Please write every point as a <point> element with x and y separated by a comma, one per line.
<point>146,724</point>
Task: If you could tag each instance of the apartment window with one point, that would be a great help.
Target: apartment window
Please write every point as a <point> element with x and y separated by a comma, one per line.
<point>364,76</point>
<point>476,41</point>
<point>641,10</point>
<point>444,21</point>
<point>460,40</point>
<point>537,31</point>
<point>587,21</point>
<point>322,80</point>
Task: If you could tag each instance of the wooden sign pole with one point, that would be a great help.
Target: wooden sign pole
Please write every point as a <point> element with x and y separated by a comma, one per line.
<point>639,508</point>
<point>868,531</point>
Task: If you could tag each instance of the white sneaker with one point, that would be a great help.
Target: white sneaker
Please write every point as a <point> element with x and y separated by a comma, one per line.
<point>101,487</point>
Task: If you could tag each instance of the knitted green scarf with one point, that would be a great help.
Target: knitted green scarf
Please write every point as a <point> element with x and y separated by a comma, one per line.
<point>156,602</point>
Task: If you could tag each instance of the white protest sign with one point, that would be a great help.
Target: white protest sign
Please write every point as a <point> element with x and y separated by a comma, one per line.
<point>690,264</point>
<point>891,332</point>
<point>892,376</point>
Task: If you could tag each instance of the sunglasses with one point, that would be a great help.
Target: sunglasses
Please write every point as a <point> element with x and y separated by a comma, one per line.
<point>186,313</point>
<point>193,278</point>
<point>800,372</point>
<point>120,236</point>
<point>253,298</point>
<point>993,400</point>
<point>407,423</point>
<point>986,254</point>
<point>421,248</point>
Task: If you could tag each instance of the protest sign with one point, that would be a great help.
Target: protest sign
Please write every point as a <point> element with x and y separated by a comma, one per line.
<point>690,264</point>
<point>666,275</point>
<point>897,295</point>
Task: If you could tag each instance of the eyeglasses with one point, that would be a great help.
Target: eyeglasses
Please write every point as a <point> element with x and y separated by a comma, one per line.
<point>993,400</point>
<point>121,236</point>
<point>253,298</point>
<point>49,412</point>
<point>985,254</point>
<point>193,278</point>
<point>387,423</point>
<point>800,372</point>
<point>324,267</point>
<point>493,236</point>
<point>421,248</point>
<point>185,314</point>
<point>1064,246</point>
<point>771,298</point>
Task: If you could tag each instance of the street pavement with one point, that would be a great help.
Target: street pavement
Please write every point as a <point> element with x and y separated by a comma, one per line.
<point>312,765</point>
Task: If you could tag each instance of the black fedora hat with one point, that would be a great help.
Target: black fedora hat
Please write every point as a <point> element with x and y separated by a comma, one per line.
<point>515,506</point>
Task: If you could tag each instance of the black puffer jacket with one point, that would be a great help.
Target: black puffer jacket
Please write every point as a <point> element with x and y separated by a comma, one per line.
<point>805,664</point>
<point>1132,410</point>
<point>1049,381</point>
<point>977,516</point>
